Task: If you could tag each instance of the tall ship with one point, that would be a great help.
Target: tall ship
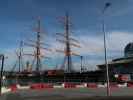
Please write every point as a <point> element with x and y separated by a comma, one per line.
<point>33,70</point>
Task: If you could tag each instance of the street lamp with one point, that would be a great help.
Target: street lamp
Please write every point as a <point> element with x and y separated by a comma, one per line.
<point>1,71</point>
<point>81,58</point>
<point>105,49</point>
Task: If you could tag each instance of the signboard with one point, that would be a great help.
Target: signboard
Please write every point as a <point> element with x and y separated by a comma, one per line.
<point>125,77</point>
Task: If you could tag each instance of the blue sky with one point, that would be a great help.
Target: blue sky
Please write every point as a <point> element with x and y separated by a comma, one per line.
<point>18,19</point>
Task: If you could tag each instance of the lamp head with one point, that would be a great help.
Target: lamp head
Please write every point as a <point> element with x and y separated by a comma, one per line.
<point>107,5</point>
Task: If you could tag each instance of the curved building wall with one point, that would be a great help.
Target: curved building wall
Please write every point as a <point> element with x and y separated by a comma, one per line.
<point>128,51</point>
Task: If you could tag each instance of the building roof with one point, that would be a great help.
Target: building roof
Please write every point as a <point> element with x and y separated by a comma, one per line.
<point>128,50</point>
<point>117,61</point>
<point>128,56</point>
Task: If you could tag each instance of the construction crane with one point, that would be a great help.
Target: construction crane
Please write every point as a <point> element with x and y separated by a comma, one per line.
<point>69,42</point>
<point>38,45</point>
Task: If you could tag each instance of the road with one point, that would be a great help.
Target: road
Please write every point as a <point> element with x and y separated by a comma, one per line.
<point>70,94</point>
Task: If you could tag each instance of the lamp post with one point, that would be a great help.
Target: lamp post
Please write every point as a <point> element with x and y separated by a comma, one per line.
<point>1,71</point>
<point>81,58</point>
<point>105,48</point>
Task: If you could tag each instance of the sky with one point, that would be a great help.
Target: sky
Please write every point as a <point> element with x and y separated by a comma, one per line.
<point>18,19</point>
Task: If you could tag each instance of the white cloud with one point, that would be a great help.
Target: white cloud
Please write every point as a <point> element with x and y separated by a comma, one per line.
<point>118,40</point>
<point>91,45</point>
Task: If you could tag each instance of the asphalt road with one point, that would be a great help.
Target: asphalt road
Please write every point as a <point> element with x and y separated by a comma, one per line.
<point>70,94</point>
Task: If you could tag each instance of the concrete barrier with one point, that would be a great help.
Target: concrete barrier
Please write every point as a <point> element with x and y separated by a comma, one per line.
<point>80,86</point>
<point>101,86</point>
<point>5,90</point>
<point>92,85</point>
<point>57,86</point>
<point>69,85</point>
<point>113,85</point>
<point>122,85</point>
<point>41,86</point>
<point>130,85</point>
<point>13,88</point>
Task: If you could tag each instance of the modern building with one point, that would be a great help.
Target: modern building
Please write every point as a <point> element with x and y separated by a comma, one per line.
<point>121,68</point>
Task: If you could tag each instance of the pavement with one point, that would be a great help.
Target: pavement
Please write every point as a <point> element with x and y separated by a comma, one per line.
<point>70,94</point>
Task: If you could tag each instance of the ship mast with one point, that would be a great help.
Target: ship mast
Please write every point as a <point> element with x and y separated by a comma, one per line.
<point>68,49</point>
<point>19,61</point>
<point>38,45</point>
<point>68,41</point>
<point>38,52</point>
